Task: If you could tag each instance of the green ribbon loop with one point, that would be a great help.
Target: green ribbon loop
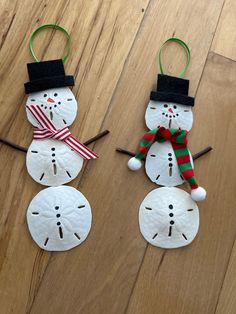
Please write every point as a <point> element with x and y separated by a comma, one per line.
<point>186,48</point>
<point>42,27</point>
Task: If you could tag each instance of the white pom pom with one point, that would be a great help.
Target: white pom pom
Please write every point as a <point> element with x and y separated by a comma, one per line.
<point>134,164</point>
<point>198,194</point>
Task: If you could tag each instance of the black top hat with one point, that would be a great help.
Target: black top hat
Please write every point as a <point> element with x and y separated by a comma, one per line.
<point>174,89</point>
<point>47,74</point>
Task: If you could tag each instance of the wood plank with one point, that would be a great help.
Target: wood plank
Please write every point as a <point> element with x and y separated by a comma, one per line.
<point>189,280</point>
<point>227,302</point>
<point>225,38</point>
<point>99,276</point>
<point>98,35</point>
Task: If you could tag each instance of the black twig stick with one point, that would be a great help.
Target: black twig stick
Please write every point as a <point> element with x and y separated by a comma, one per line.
<point>13,145</point>
<point>97,137</point>
<point>124,151</point>
<point>202,152</point>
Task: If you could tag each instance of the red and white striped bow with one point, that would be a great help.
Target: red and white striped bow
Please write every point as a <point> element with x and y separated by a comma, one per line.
<point>48,130</point>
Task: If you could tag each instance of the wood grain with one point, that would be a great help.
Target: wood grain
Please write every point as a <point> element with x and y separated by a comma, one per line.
<point>225,38</point>
<point>227,302</point>
<point>115,44</point>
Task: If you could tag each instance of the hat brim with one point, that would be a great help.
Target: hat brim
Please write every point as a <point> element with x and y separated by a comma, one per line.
<point>49,82</point>
<point>172,97</point>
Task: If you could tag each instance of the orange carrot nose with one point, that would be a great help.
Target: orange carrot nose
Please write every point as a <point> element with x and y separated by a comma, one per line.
<point>50,100</point>
<point>170,110</point>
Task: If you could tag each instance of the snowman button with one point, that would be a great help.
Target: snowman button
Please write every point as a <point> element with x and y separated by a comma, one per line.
<point>172,222</point>
<point>56,207</point>
<point>53,148</point>
<point>169,154</point>
<point>53,160</point>
<point>171,214</point>
<point>170,206</point>
<point>169,159</point>
<point>58,215</point>
<point>58,223</point>
<point>170,165</point>
<point>53,155</point>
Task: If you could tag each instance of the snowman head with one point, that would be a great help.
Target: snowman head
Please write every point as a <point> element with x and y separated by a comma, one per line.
<point>48,88</point>
<point>170,106</point>
<point>169,115</point>
<point>58,104</point>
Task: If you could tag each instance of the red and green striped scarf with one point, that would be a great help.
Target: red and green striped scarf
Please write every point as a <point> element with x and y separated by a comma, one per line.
<point>178,139</point>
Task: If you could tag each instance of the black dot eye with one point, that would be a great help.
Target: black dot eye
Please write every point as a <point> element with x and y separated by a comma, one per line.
<point>45,95</point>
<point>165,105</point>
<point>174,106</point>
<point>32,99</point>
<point>55,95</point>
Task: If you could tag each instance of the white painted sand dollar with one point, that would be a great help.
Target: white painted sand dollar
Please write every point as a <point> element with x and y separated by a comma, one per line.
<point>58,104</point>
<point>169,115</point>
<point>52,162</point>
<point>161,165</point>
<point>168,218</point>
<point>59,218</point>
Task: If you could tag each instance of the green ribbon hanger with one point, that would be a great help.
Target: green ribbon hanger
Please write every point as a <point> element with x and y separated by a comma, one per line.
<point>42,27</point>
<point>186,48</point>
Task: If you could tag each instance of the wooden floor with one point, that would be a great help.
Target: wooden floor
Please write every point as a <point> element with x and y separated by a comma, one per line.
<point>114,60</point>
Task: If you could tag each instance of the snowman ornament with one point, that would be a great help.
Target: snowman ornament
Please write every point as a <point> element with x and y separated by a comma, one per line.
<point>59,217</point>
<point>168,216</point>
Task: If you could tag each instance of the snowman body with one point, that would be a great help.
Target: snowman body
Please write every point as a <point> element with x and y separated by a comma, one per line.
<point>51,162</point>
<point>168,218</point>
<point>161,164</point>
<point>59,218</point>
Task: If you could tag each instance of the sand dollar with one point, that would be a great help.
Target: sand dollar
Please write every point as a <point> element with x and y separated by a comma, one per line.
<point>58,104</point>
<point>52,162</point>
<point>168,218</point>
<point>161,165</point>
<point>59,218</point>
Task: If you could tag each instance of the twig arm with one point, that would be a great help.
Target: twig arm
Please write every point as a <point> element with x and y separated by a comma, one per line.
<point>13,145</point>
<point>97,137</point>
